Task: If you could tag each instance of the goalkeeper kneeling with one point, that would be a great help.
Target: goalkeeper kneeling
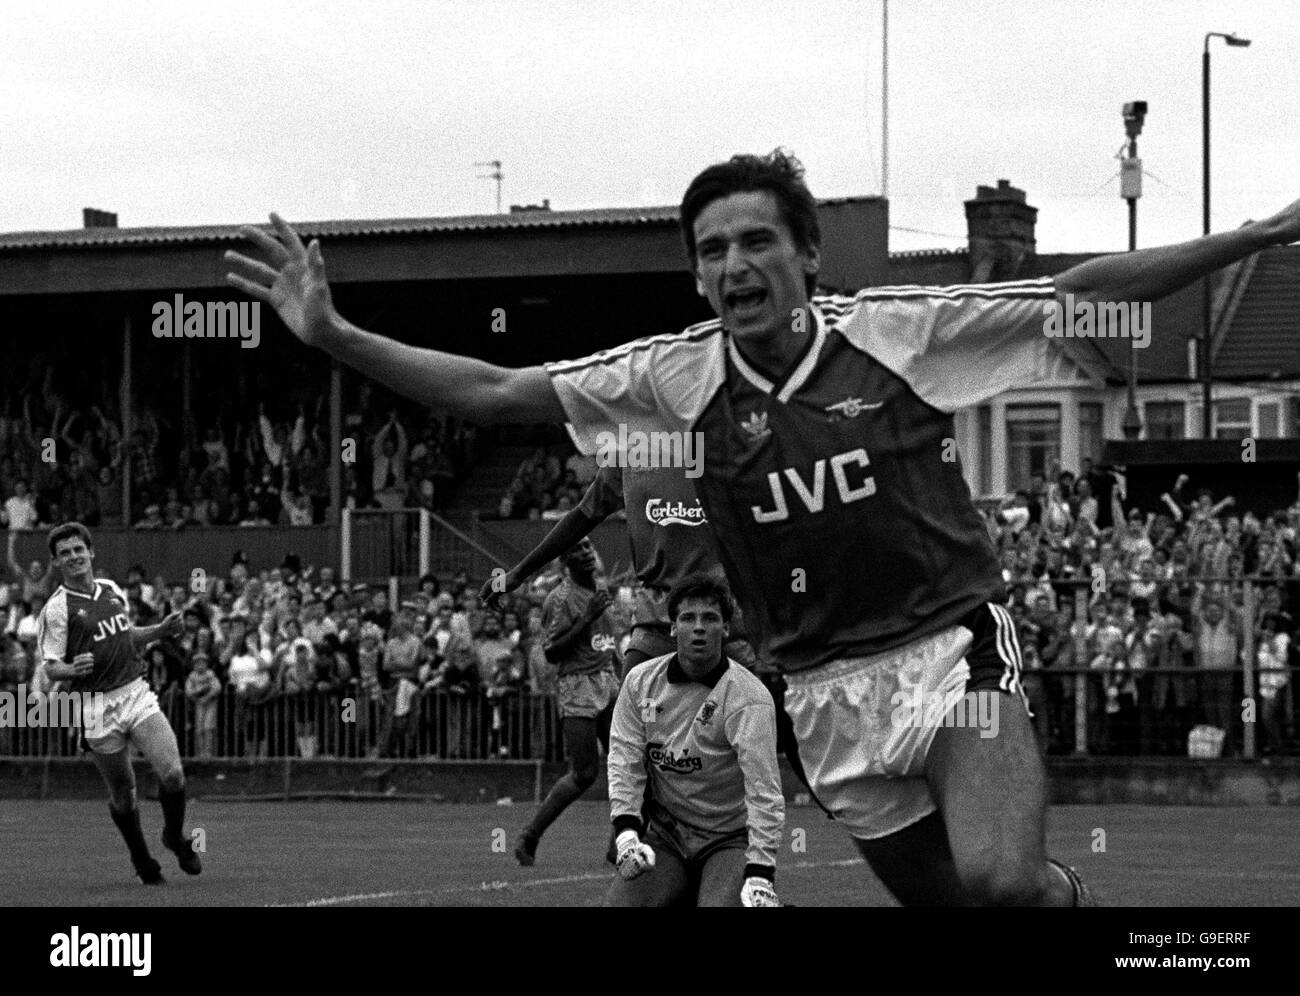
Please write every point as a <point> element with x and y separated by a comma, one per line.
<point>694,789</point>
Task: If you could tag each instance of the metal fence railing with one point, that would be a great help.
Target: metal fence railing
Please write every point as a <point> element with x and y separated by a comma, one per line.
<point>1192,687</point>
<point>437,724</point>
<point>407,543</point>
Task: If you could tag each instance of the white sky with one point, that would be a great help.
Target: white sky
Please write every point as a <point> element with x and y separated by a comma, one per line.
<point>194,113</point>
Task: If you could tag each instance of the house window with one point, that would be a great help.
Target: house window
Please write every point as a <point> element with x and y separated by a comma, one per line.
<point>1270,412</point>
<point>1033,441</point>
<point>984,442</point>
<point>1165,419</point>
<point>1232,418</point>
<point>1091,435</point>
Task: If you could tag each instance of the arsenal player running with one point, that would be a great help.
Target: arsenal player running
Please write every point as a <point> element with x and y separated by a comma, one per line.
<point>87,641</point>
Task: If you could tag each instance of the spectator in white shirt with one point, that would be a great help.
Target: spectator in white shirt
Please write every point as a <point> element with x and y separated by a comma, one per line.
<point>20,509</point>
<point>388,452</point>
<point>1271,660</point>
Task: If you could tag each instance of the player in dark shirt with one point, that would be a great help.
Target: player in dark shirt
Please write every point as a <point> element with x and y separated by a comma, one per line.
<point>88,643</point>
<point>831,485</point>
<point>580,642</point>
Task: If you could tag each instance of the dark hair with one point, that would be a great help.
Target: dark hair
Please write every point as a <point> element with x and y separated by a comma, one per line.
<point>69,530</point>
<point>704,587</point>
<point>780,174</point>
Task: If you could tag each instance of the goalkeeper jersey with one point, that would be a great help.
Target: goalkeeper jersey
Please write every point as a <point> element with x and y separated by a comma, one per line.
<point>707,749</point>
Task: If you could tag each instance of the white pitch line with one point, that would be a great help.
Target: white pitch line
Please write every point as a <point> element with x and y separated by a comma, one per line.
<point>502,886</point>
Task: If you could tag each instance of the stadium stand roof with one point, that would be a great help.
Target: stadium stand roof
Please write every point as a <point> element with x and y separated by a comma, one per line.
<point>514,221</point>
<point>525,243</point>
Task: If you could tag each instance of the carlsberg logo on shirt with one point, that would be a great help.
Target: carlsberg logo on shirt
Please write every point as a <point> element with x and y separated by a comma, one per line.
<point>674,513</point>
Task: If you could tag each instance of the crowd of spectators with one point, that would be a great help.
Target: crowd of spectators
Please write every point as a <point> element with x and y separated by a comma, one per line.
<point>1161,588</point>
<point>547,484</point>
<point>294,661</point>
<point>60,463</point>
<point>271,661</point>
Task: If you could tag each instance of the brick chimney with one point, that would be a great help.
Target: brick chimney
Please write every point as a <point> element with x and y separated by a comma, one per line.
<point>95,218</point>
<point>1000,232</point>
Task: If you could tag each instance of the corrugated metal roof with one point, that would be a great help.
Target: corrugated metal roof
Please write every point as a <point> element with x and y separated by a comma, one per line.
<point>119,237</point>
<point>82,238</point>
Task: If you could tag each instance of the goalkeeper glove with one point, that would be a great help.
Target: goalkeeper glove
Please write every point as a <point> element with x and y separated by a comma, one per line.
<point>634,857</point>
<point>758,891</point>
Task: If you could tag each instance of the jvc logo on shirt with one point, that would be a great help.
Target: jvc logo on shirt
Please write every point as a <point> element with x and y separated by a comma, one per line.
<point>107,627</point>
<point>78,950</point>
<point>674,513</point>
<point>664,759</point>
<point>814,498</point>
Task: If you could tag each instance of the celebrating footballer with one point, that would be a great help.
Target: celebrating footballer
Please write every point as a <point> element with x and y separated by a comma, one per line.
<point>824,421</point>
<point>87,642</point>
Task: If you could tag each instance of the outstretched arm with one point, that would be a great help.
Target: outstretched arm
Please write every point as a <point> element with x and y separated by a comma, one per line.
<point>1150,274</point>
<point>295,285</point>
<point>563,536</point>
<point>1226,503</point>
<point>13,560</point>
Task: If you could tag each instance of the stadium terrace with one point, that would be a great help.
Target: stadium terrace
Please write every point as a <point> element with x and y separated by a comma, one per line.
<point>178,319</point>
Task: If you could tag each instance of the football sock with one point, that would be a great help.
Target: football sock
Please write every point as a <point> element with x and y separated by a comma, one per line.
<point>128,824</point>
<point>173,807</point>
<point>562,793</point>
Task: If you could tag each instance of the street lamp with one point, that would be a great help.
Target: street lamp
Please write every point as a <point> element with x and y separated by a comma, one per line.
<point>1131,189</point>
<point>1235,42</point>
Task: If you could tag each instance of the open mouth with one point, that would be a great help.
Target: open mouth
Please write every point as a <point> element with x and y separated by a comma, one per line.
<point>745,302</point>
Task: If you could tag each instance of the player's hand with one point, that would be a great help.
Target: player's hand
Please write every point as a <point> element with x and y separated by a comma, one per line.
<point>173,625</point>
<point>634,858</point>
<point>758,891</point>
<point>495,589</point>
<point>292,282</point>
<point>82,665</point>
<point>600,601</point>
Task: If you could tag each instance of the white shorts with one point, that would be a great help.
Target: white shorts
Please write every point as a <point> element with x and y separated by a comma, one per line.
<point>109,719</point>
<point>864,725</point>
<point>587,695</point>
